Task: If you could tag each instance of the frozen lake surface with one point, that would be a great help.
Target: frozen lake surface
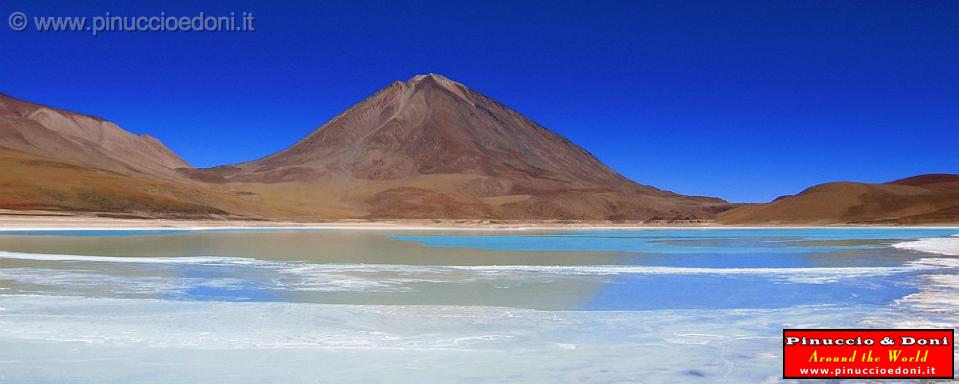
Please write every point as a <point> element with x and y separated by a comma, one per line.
<point>304,306</point>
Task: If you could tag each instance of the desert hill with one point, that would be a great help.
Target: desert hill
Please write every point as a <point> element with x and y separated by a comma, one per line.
<point>31,182</point>
<point>924,199</point>
<point>56,160</point>
<point>82,139</point>
<point>430,147</point>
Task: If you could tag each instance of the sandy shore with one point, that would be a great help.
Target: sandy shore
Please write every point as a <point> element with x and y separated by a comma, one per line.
<point>41,220</point>
<point>31,220</point>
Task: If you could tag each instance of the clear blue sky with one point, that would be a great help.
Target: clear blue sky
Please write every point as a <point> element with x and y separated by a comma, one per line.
<point>741,100</point>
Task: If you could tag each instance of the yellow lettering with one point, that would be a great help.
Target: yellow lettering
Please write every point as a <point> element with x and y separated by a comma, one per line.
<point>815,358</point>
<point>894,355</point>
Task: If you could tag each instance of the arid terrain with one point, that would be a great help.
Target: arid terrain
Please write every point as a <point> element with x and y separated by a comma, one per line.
<point>919,200</point>
<point>432,148</point>
<point>82,140</point>
<point>427,148</point>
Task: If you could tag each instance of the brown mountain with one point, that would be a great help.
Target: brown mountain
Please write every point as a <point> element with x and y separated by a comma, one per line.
<point>58,160</point>
<point>82,139</point>
<point>432,148</point>
<point>425,148</point>
<point>925,199</point>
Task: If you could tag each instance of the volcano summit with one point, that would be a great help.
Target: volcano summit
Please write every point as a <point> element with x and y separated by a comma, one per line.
<point>433,148</point>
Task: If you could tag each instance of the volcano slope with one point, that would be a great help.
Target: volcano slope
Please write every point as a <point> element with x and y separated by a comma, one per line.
<point>431,148</point>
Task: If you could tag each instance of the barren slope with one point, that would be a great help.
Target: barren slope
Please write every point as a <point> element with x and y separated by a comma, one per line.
<point>432,148</point>
<point>82,139</point>
<point>925,199</point>
<point>34,182</point>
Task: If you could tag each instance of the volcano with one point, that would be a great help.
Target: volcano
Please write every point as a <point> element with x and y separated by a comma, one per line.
<point>430,147</point>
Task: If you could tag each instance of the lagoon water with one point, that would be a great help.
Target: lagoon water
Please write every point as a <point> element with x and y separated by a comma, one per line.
<point>311,305</point>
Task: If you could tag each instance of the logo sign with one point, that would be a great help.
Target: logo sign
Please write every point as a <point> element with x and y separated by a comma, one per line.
<point>868,353</point>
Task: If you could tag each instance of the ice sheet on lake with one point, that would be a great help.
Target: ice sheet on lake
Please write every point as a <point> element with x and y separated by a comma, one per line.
<point>87,339</point>
<point>244,279</point>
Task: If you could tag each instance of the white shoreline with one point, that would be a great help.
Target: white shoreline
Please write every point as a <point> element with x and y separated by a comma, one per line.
<point>938,245</point>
